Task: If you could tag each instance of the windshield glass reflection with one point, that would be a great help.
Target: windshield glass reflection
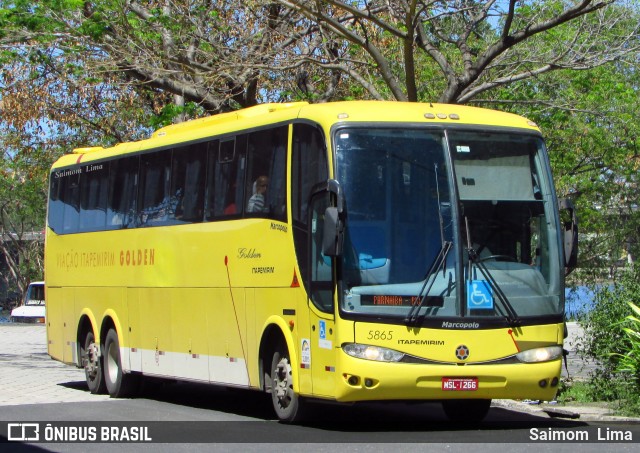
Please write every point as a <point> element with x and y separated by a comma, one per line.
<point>400,219</point>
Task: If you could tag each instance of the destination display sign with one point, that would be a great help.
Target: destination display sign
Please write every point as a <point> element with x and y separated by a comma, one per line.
<point>393,300</point>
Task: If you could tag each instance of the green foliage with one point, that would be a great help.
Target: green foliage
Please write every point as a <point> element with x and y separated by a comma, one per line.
<point>630,361</point>
<point>40,18</point>
<point>170,113</point>
<point>23,179</point>
<point>608,343</point>
<point>573,392</point>
<point>587,118</point>
<point>77,73</point>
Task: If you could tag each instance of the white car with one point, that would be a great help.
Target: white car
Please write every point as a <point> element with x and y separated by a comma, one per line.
<point>33,307</point>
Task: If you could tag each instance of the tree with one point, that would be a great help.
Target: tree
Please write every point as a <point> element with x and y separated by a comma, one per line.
<point>22,210</point>
<point>228,54</point>
<point>589,121</point>
<point>49,105</point>
<point>80,72</point>
<point>595,150</point>
<point>208,53</point>
<point>465,47</point>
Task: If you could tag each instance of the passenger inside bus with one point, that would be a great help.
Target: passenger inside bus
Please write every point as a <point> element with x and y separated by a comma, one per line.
<point>257,201</point>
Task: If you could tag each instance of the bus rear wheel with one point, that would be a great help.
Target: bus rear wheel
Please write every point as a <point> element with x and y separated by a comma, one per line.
<point>470,411</point>
<point>118,383</point>
<point>92,364</point>
<point>286,403</point>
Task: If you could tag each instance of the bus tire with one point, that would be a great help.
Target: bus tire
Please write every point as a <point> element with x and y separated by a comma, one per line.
<point>118,383</point>
<point>287,404</point>
<point>469,411</point>
<point>92,364</point>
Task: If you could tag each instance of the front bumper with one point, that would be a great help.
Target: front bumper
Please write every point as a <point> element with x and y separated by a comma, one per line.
<point>364,380</point>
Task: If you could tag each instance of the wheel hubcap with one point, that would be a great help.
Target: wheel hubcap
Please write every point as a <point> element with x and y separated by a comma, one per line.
<point>281,384</point>
<point>91,364</point>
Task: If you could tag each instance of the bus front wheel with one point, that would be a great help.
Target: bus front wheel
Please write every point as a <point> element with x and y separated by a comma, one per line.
<point>286,403</point>
<point>118,383</point>
<point>470,411</point>
<point>92,364</point>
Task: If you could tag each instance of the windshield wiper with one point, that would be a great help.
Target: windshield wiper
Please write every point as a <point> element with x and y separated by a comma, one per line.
<point>438,263</point>
<point>507,310</point>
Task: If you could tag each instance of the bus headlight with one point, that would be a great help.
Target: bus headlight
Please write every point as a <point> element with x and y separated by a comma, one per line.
<point>545,354</point>
<point>368,352</point>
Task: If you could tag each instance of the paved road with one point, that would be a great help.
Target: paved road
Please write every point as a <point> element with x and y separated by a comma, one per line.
<point>29,376</point>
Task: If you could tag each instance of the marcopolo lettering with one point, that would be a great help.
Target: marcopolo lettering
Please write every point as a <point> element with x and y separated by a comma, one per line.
<point>460,325</point>
<point>278,227</point>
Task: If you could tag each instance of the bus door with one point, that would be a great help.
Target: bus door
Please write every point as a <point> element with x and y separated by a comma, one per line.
<point>320,285</point>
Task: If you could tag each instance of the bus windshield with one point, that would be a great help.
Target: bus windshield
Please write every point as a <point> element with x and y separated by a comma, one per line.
<point>409,255</point>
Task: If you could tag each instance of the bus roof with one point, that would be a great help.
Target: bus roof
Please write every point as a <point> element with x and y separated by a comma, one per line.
<point>326,114</point>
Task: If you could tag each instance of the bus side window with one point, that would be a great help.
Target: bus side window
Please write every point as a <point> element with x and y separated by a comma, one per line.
<point>123,189</point>
<point>93,197</point>
<point>224,177</point>
<point>187,182</point>
<point>309,167</point>
<point>64,201</point>
<point>156,203</point>
<point>320,280</point>
<point>56,206</point>
<point>266,174</point>
<point>70,194</point>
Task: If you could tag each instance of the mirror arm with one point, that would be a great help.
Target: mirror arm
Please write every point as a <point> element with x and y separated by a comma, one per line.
<point>335,188</point>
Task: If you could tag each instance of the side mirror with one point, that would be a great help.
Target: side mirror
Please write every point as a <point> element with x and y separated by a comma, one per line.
<point>332,234</point>
<point>324,195</point>
<point>570,229</point>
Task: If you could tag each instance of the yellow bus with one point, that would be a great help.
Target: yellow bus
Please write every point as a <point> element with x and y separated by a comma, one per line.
<point>348,251</point>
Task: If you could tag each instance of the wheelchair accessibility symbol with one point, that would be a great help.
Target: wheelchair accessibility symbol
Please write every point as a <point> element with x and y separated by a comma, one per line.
<point>479,295</point>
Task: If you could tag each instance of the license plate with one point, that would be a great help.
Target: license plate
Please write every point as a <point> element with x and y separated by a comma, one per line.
<point>460,384</point>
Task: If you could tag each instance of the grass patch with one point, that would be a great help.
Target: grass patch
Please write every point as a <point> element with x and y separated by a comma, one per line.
<point>588,392</point>
<point>574,392</point>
